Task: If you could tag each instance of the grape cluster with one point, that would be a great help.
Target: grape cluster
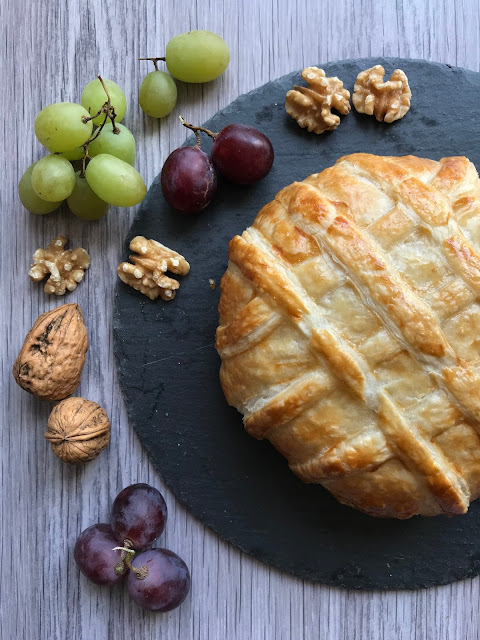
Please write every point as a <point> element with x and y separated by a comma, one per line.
<point>92,156</point>
<point>194,57</point>
<point>241,153</point>
<point>158,579</point>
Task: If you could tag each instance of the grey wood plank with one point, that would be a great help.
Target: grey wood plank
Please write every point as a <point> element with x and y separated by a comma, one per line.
<point>49,50</point>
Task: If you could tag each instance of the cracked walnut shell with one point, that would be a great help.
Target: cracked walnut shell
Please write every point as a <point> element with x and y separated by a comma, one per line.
<point>51,359</point>
<point>78,430</point>
<point>66,267</point>
<point>387,101</point>
<point>147,273</point>
<point>312,106</point>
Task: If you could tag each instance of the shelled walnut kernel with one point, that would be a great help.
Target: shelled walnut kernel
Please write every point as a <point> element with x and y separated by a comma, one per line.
<point>147,273</point>
<point>66,267</point>
<point>387,101</point>
<point>312,106</point>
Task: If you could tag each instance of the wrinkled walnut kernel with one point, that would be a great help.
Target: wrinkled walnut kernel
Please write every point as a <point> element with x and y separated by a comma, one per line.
<point>312,106</point>
<point>66,267</point>
<point>147,273</point>
<point>387,101</point>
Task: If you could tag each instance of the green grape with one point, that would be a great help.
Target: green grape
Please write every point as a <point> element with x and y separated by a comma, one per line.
<point>94,97</point>
<point>60,127</point>
<point>157,94</point>
<point>73,154</point>
<point>29,198</point>
<point>53,178</point>
<point>197,56</point>
<point>121,145</point>
<point>115,181</point>
<point>84,203</point>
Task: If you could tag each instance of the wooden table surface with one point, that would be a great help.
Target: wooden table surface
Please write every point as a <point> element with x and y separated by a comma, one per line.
<point>49,51</point>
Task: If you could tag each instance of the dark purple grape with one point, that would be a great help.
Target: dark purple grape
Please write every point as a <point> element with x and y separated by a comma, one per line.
<point>167,583</point>
<point>188,180</point>
<point>95,556</point>
<point>139,514</point>
<point>242,153</point>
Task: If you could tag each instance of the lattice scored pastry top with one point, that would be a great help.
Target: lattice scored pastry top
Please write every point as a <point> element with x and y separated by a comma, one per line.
<point>350,332</point>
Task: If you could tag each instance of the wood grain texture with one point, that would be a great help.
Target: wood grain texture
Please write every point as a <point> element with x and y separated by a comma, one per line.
<point>49,51</point>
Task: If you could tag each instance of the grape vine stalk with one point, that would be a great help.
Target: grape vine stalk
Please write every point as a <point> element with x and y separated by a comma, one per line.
<point>109,110</point>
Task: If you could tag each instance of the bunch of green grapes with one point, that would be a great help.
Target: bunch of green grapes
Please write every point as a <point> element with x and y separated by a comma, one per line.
<point>196,56</point>
<point>87,134</point>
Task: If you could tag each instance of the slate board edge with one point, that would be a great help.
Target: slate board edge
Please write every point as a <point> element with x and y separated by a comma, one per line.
<point>367,62</point>
<point>298,573</point>
<point>287,81</point>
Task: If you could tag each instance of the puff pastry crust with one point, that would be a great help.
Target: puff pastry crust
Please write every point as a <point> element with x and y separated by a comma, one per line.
<point>350,332</point>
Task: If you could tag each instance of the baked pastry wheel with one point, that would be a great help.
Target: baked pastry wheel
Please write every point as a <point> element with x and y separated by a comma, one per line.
<point>350,332</point>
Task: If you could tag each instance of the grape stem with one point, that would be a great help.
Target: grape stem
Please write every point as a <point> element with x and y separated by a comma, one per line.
<point>154,60</point>
<point>127,556</point>
<point>119,568</point>
<point>109,110</point>
<point>196,131</point>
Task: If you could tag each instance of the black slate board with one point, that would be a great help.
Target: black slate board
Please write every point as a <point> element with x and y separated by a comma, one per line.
<point>168,368</point>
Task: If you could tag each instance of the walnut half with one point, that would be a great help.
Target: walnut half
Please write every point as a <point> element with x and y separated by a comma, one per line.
<point>387,101</point>
<point>147,273</point>
<point>66,267</point>
<point>312,106</point>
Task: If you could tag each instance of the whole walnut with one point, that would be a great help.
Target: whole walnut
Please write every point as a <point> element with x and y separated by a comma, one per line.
<point>51,360</point>
<point>78,430</point>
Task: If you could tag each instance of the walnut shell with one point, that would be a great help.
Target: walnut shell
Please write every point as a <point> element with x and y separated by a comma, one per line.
<point>78,430</point>
<point>51,360</point>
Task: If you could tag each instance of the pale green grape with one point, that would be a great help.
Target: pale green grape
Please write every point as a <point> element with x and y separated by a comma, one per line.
<point>60,127</point>
<point>121,145</point>
<point>53,178</point>
<point>29,198</point>
<point>73,154</point>
<point>84,203</point>
<point>197,56</point>
<point>94,97</point>
<point>115,181</point>
<point>157,94</point>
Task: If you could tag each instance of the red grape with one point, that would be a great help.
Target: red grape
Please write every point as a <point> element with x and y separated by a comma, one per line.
<point>139,514</point>
<point>167,583</point>
<point>95,556</point>
<point>188,180</point>
<point>242,153</point>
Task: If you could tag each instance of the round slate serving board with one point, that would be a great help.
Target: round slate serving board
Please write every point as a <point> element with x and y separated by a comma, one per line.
<point>168,368</point>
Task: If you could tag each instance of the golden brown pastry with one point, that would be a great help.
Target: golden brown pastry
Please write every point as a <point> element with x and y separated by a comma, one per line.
<point>350,332</point>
